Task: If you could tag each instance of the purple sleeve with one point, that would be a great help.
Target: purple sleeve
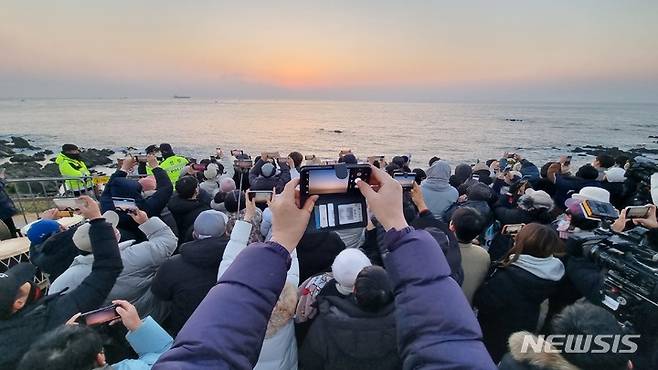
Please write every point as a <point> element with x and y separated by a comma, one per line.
<point>227,329</point>
<point>436,326</point>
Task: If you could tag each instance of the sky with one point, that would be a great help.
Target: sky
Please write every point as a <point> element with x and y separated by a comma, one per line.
<point>588,50</point>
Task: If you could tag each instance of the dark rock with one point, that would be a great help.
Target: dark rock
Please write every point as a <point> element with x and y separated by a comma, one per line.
<point>32,170</point>
<point>614,151</point>
<point>653,137</point>
<point>48,152</point>
<point>513,120</point>
<point>50,170</point>
<point>95,157</point>
<point>20,143</point>
<point>338,131</point>
<point>22,158</point>
<point>6,151</point>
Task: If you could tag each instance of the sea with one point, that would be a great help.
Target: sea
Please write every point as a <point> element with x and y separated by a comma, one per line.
<point>457,132</point>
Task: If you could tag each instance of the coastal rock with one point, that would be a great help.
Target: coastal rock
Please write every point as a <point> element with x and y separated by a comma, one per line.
<point>338,131</point>
<point>32,170</point>
<point>5,150</point>
<point>96,157</point>
<point>513,120</point>
<point>20,143</point>
<point>22,158</point>
<point>47,152</point>
<point>614,151</point>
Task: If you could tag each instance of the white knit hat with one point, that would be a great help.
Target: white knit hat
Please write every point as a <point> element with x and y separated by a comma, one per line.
<point>346,267</point>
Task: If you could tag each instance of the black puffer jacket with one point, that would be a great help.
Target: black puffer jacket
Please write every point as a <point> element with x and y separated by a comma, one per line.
<point>508,302</point>
<point>185,211</point>
<point>186,278</point>
<point>345,337</point>
<point>55,254</point>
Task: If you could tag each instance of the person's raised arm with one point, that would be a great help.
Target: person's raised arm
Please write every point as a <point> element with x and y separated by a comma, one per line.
<point>239,238</point>
<point>227,330</point>
<point>105,269</point>
<point>436,330</point>
<point>163,188</point>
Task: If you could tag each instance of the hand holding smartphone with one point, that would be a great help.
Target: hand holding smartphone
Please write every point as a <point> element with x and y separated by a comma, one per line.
<point>406,179</point>
<point>100,316</point>
<point>512,229</point>
<point>68,204</point>
<point>637,212</point>
<point>127,205</point>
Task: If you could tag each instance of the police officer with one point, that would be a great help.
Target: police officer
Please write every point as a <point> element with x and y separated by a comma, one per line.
<point>173,164</point>
<point>71,165</point>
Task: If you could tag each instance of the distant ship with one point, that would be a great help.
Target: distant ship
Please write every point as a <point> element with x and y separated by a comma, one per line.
<point>181,97</point>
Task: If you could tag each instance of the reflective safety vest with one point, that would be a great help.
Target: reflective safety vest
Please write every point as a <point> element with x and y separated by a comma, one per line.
<point>173,166</point>
<point>69,167</point>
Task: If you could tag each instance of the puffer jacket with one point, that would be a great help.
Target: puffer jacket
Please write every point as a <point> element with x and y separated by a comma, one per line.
<point>185,212</point>
<point>122,187</point>
<point>186,278</point>
<point>140,262</point>
<point>55,254</point>
<point>69,167</point>
<point>276,181</point>
<point>278,352</point>
<point>343,336</point>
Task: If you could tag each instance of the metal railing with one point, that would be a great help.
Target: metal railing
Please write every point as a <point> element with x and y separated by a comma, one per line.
<point>34,195</point>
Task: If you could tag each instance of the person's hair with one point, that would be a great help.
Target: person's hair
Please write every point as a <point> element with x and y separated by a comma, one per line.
<point>468,224</point>
<point>588,319</point>
<point>605,160</point>
<point>373,288</point>
<point>536,240</point>
<point>544,169</point>
<point>297,158</point>
<point>392,168</point>
<point>231,201</point>
<point>420,175</point>
<point>621,160</point>
<point>490,161</point>
<point>587,172</point>
<point>67,347</point>
<point>434,159</point>
<point>186,186</point>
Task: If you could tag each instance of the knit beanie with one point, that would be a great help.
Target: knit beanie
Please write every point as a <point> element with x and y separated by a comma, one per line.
<point>346,267</point>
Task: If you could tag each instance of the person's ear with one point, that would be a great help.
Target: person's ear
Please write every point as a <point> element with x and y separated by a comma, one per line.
<point>19,304</point>
<point>451,226</point>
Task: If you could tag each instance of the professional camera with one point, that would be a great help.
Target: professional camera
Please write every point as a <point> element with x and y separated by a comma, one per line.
<point>631,270</point>
<point>638,181</point>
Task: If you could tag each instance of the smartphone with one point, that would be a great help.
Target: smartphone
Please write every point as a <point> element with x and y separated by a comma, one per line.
<point>198,167</point>
<point>100,316</point>
<point>594,210</point>
<point>243,163</point>
<point>125,204</point>
<point>512,229</point>
<point>406,179</point>
<point>309,157</point>
<point>68,204</point>
<point>260,196</point>
<point>236,152</point>
<point>637,212</point>
<point>340,204</point>
<point>140,158</point>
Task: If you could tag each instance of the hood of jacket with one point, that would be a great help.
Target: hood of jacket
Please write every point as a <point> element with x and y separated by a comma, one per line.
<point>547,358</point>
<point>479,191</point>
<point>357,333</point>
<point>180,206</point>
<point>61,157</point>
<point>549,268</point>
<point>437,176</point>
<point>206,253</point>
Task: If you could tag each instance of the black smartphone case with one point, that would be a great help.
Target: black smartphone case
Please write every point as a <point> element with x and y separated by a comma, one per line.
<point>346,207</point>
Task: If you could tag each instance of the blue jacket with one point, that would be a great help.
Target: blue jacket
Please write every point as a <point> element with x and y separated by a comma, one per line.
<point>436,330</point>
<point>150,341</point>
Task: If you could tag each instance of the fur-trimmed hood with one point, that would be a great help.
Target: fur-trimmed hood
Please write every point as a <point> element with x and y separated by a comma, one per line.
<point>544,359</point>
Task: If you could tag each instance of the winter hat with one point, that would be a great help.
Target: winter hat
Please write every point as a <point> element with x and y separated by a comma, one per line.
<point>463,171</point>
<point>41,230</point>
<point>69,148</point>
<point>587,172</point>
<point>226,184</point>
<point>231,201</point>
<point>348,158</point>
<point>536,199</point>
<point>186,186</point>
<point>373,288</point>
<point>81,237</point>
<point>481,167</point>
<point>346,267</point>
<point>148,183</point>
<point>593,193</point>
<point>267,170</point>
<point>210,223</point>
<point>10,282</point>
<point>615,174</point>
<point>211,171</point>
<point>479,191</point>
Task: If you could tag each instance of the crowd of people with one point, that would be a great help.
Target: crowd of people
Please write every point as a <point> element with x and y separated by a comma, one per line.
<point>451,273</point>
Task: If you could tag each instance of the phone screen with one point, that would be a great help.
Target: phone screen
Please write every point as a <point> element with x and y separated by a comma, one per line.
<point>260,196</point>
<point>124,204</point>
<point>512,229</point>
<point>67,204</point>
<point>100,316</point>
<point>599,210</point>
<point>244,163</point>
<point>198,167</point>
<point>406,179</point>
<point>637,212</point>
<point>325,181</point>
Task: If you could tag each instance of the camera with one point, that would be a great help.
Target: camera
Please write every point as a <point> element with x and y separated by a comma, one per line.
<point>638,181</point>
<point>631,270</point>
